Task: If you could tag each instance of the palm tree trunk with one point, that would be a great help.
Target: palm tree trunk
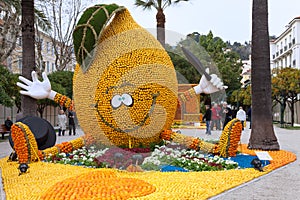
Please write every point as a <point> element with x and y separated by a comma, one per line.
<point>160,27</point>
<point>28,53</point>
<point>262,134</point>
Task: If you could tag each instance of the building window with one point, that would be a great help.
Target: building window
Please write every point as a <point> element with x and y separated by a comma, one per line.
<point>48,66</point>
<point>19,41</point>
<point>285,62</point>
<point>9,63</point>
<point>53,67</point>
<point>20,63</point>
<point>294,32</point>
<point>48,47</point>
<point>41,43</point>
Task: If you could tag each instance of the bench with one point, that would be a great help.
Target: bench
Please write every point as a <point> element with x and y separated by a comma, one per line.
<point>3,131</point>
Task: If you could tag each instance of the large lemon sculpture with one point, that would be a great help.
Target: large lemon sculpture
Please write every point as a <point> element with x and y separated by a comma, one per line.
<point>125,90</point>
<point>125,86</point>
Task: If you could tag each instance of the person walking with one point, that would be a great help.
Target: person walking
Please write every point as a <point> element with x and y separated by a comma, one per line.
<point>215,117</point>
<point>227,114</point>
<point>8,123</point>
<point>207,117</point>
<point>71,123</point>
<point>241,115</point>
<point>62,122</point>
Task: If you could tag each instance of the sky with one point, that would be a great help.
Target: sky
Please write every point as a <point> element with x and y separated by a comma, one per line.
<point>228,19</point>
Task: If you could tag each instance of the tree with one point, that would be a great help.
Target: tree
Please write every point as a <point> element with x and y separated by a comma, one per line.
<point>9,92</point>
<point>227,61</point>
<point>63,15</point>
<point>262,132</point>
<point>160,6</point>
<point>61,82</point>
<point>244,50</point>
<point>186,73</point>
<point>65,79</point>
<point>43,103</point>
<point>213,54</point>
<point>285,87</point>
<point>28,53</point>
<point>10,31</point>
<point>241,97</point>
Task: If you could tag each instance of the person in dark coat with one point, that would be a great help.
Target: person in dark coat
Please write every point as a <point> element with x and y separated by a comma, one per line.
<point>8,123</point>
<point>249,115</point>
<point>72,126</point>
<point>207,117</point>
<point>227,113</point>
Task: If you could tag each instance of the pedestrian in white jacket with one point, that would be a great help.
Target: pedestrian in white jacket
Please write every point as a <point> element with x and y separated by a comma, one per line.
<point>62,122</point>
<point>241,115</point>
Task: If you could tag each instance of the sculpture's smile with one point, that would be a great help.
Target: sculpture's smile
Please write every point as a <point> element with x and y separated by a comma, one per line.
<point>127,101</point>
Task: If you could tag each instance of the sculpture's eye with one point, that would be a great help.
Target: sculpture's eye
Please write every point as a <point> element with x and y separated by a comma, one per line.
<point>117,100</point>
<point>127,99</point>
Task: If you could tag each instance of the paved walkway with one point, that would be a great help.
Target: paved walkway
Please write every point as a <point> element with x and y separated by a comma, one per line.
<point>280,184</point>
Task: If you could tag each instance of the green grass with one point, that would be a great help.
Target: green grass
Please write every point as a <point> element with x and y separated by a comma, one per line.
<point>292,128</point>
<point>5,139</point>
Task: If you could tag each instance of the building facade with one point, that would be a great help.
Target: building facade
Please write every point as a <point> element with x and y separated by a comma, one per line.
<point>285,52</point>
<point>285,49</point>
<point>45,56</point>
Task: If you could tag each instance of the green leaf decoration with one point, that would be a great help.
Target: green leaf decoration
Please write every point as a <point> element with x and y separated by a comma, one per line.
<point>89,29</point>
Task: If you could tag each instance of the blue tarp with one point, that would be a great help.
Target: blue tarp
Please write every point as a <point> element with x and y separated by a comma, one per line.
<point>244,161</point>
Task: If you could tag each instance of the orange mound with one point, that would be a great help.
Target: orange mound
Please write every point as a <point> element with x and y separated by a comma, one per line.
<point>98,185</point>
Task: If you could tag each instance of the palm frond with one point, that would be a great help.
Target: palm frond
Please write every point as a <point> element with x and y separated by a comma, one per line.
<point>42,21</point>
<point>170,2</point>
<point>177,1</point>
<point>145,5</point>
<point>166,4</point>
<point>14,3</point>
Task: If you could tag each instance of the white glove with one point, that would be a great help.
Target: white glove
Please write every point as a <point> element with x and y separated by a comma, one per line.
<point>208,87</point>
<point>35,88</point>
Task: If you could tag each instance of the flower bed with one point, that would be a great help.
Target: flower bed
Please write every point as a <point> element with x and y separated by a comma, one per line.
<point>169,155</point>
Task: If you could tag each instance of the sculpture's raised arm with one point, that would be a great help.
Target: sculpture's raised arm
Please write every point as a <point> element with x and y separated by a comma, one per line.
<point>42,89</point>
<point>205,86</point>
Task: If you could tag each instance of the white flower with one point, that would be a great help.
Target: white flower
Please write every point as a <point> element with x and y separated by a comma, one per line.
<point>156,162</point>
<point>62,154</point>
<point>201,156</point>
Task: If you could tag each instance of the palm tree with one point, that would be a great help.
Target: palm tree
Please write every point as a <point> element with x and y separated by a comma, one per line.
<point>28,53</point>
<point>160,6</point>
<point>262,134</point>
<point>11,12</point>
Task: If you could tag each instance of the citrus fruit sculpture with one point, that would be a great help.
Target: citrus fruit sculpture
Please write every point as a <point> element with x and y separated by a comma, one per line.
<point>125,86</point>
